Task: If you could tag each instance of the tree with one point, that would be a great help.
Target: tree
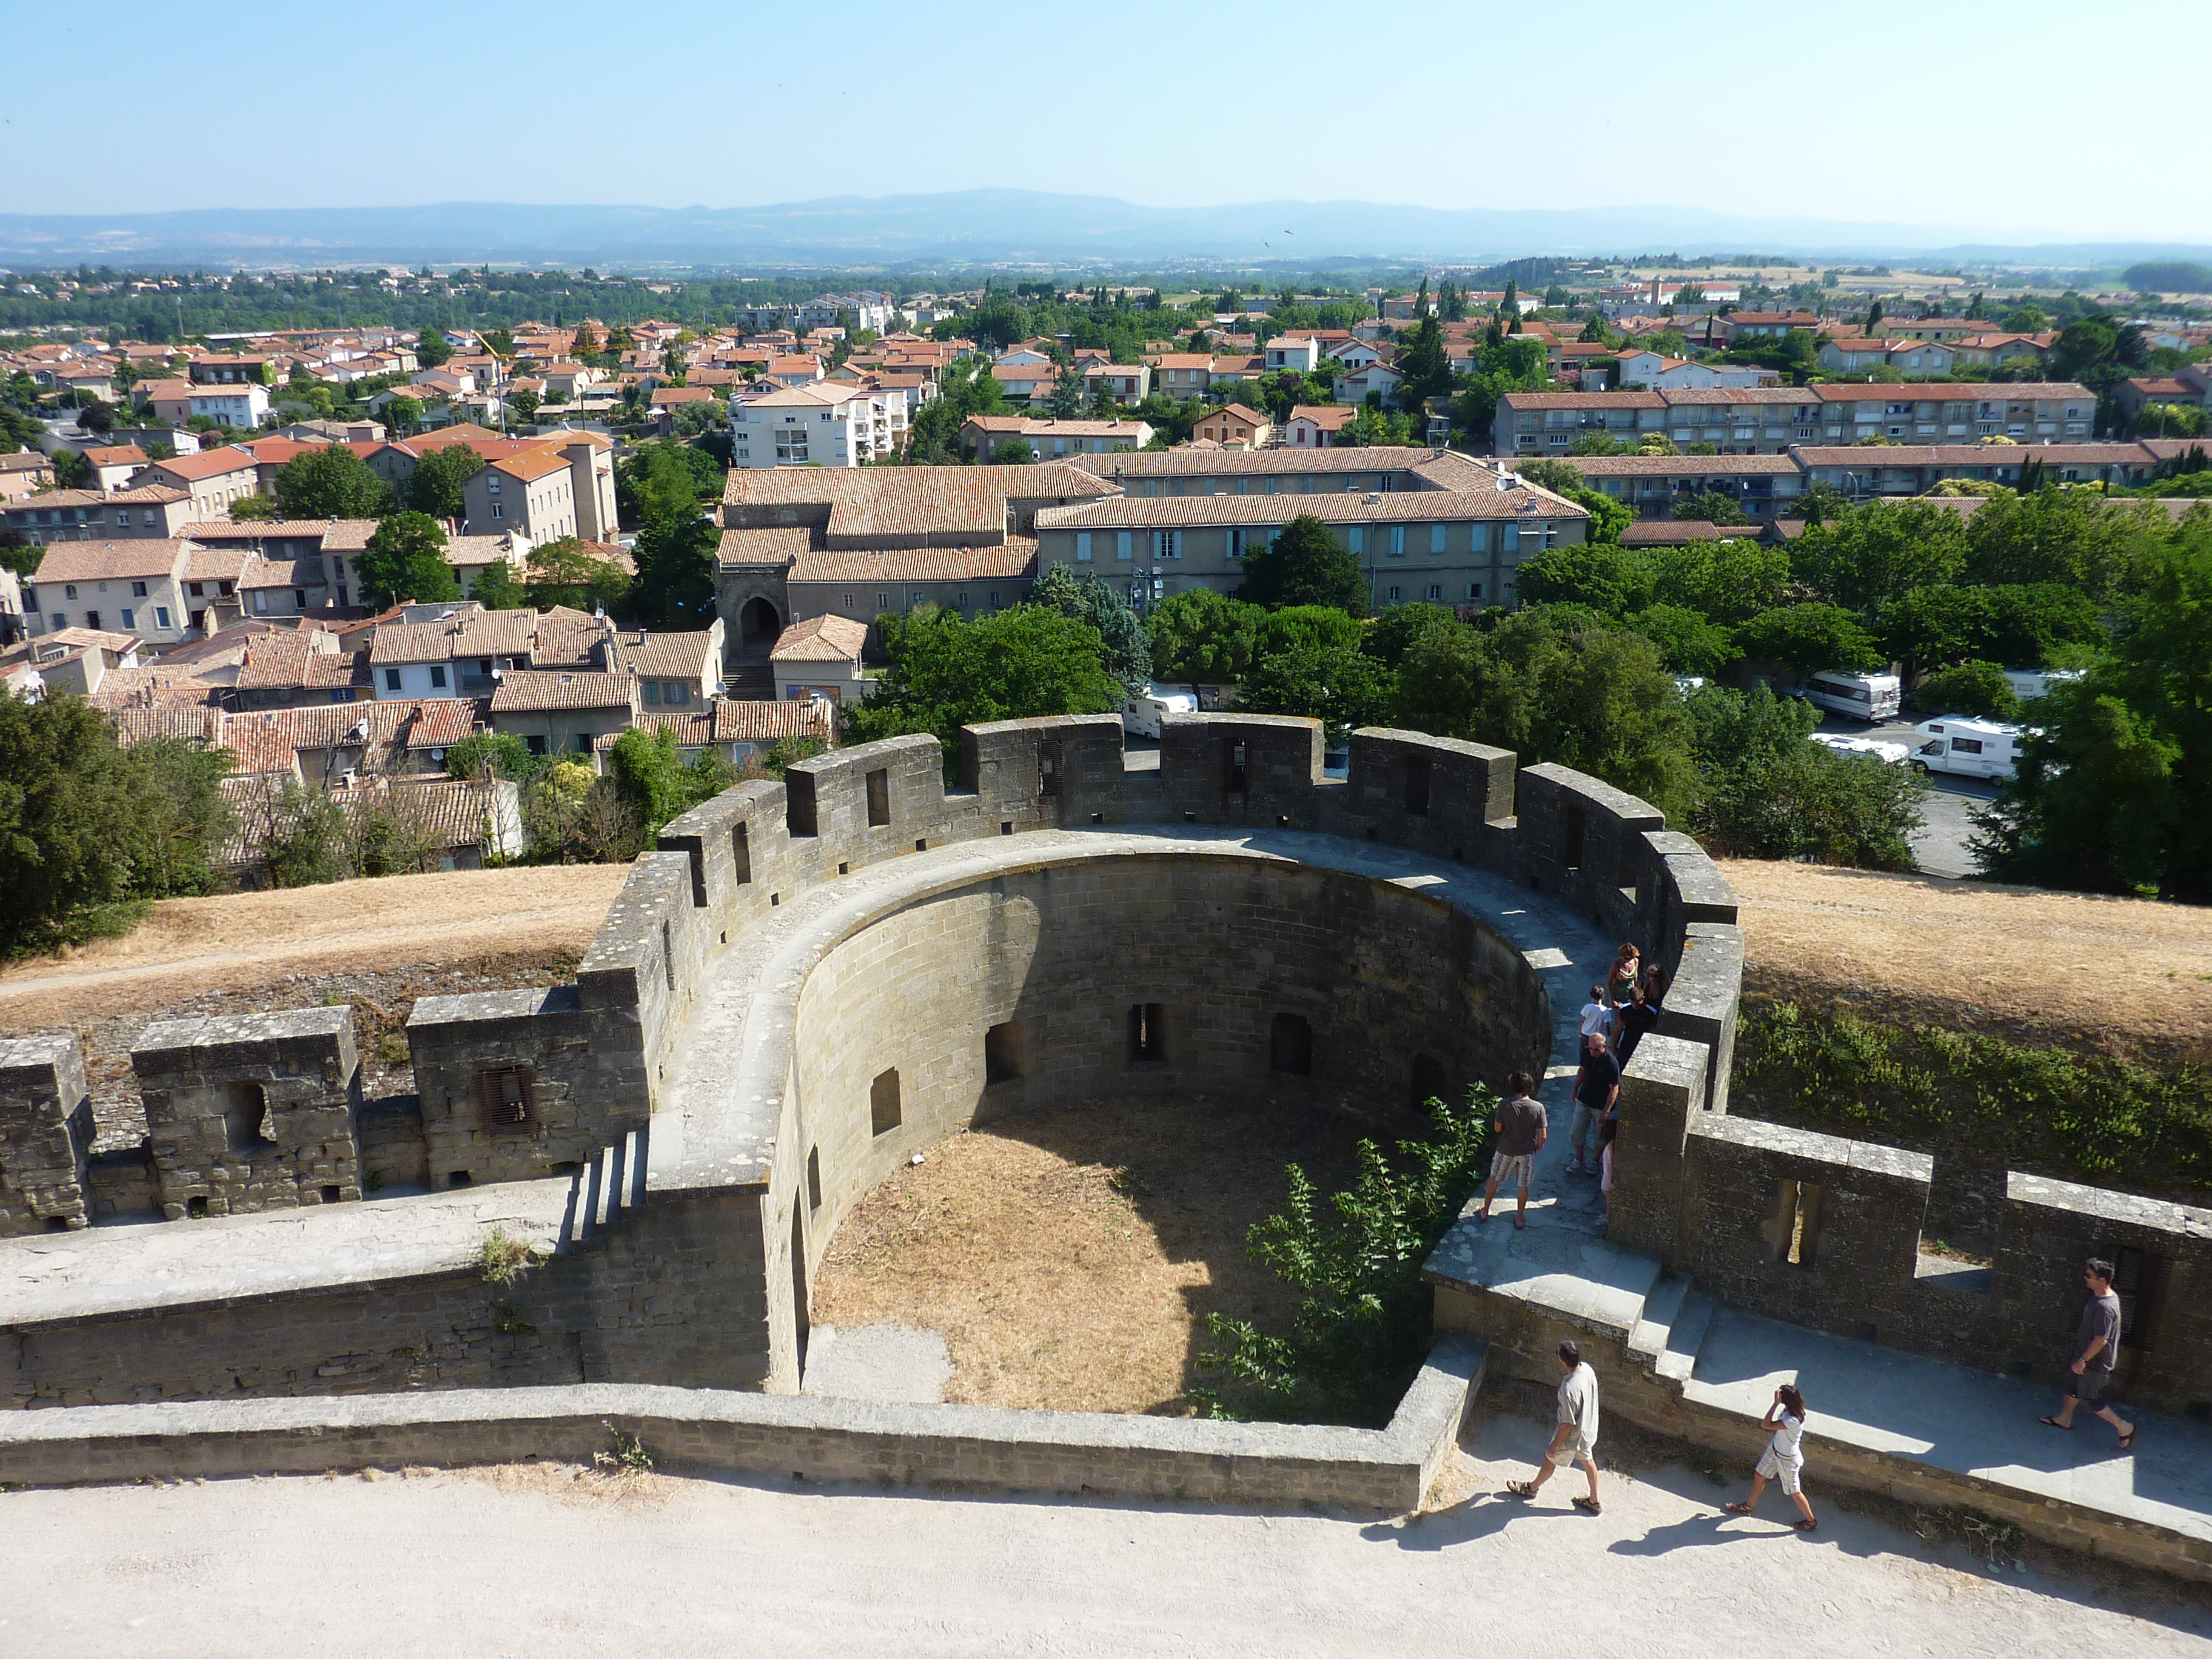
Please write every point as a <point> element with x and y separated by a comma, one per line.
<point>254,509</point>
<point>658,783</point>
<point>674,553</point>
<point>496,588</point>
<point>522,402</point>
<point>562,573</point>
<point>1090,598</point>
<point>1200,636</point>
<point>1603,577</point>
<point>586,344</point>
<point>2068,536</point>
<point>1391,634</point>
<point>1068,394</point>
<point>2027,319</point>
<point>1881,551</point>
<point>434,486</point>
<point>1305,565</point>
<point>1338,684</point>
<point>1770,794</point>
<point>332,483</point>
<point>944,673</point>
<point>1607,517</point>
<point>433,349</point>
<point>1600,443</point>
<point>1012,452</point>
<point>1688,643</point>
<point>1421,360</point>
<point>1975,688</point>
<point>405,560</point>
<point>85,825</point>
<point>2082,349</point>
<point>72,470</point>
<point>2030,624</point>
<point>1589,696</point>
<point>1810,638</point>
<point>1715,507</point>
<point>404,415</point>
<point>2113,791</point>
<point>1728,581</point>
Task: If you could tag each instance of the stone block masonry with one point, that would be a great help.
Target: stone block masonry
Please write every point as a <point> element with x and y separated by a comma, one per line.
<point>252,1111</point>
<point>45,1132</point>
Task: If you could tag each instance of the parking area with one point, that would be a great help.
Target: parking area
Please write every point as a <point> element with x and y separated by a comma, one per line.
<point>1941,844</point>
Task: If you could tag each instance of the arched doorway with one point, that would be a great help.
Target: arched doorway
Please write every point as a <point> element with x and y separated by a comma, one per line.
<point>758,626</point>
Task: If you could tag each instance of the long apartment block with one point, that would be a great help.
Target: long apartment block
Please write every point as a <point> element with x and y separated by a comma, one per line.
<point>1770,420</point>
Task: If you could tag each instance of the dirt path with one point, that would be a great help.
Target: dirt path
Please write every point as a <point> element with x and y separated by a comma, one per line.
<point>244,940</point>
<point>537,1560</point>
<point>2123,976</point>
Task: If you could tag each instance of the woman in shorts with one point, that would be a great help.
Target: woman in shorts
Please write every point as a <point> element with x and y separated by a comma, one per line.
<point>1785,1459</point>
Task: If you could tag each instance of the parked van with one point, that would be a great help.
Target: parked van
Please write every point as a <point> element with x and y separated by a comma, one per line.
<point>2028,683</point>
<point>1140,714</point>
<point>1967,747</point>
<point>1890,754</point>
<point>1869,698</point>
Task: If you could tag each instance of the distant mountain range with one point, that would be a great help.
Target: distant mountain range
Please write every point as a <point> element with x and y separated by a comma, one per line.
<point>988,226</point>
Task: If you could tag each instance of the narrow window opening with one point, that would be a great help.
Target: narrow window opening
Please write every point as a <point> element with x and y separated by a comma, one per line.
<point>1571,844</point>
<point>1005,826</point>
<point>1417,785</point>
<point>814,1178</point>
<point>1290,1045</point>
<point>1148,1036</point>
<point>2140,1278</point>
<point>333,1194</point>
<point>1796,1223</point>
<point>844,868</point>
<point>457,1178</point>
<point>884,1103</point>
<point>801,1314</point>
<point>246,1124</point>
<point>1002,1052</point>
<point>921,843</point>
<point>1235,768</point>
<point>1430,1083</point>
<point>504,1095</point>
<point>668,951</point>
<point>1048,769</point>
<point>741,855</point>
<point>879,798</point>
<point>196,1208</point>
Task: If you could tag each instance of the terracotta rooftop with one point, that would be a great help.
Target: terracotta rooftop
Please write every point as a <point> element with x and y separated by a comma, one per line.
<point>821,639</point>
<point>530,690</point>
<point>1015,558</point>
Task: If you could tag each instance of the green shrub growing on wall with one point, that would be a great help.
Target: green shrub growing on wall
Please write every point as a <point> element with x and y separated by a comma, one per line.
<point>2047,1111</point>
<point>1362,1327</point>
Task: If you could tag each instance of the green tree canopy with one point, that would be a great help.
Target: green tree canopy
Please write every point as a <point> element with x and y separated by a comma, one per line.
<point>405,560</point>
<point>563,572</point>
<point>497,589</point>
<point>435,487</point>
<point>944,673</point>
<point>1727,582</point>
<point>2113,790</point>
<point>1305,565</point>
<point>1603,577</point>
<point>1090,598</point>
<point>1974,688</point>
<point>1200,636</point>
<point>2030,624</point>
<point>1336,683</point>
<point>1318,625</point>
<point>85,824</point>
<point>332,483</point>
<point>1810,638</point>
<point>433,348</point>
<point>1711,506</point>
<point>1881,551</point>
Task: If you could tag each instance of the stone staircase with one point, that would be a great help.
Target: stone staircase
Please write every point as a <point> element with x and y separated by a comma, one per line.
<point>1667,1335</point>
<point>611,1183</point>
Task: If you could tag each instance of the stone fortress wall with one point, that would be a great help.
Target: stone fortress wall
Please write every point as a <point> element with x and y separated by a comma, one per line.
<point>787,998</point>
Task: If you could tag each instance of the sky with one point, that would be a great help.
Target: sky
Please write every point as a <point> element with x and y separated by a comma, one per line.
<point>2013,117</point>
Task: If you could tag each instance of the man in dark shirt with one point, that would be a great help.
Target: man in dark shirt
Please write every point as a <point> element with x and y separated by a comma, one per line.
<point>1521,1132</point>
<point>2096,1347</point>
<point>1597,1085</point>
<point>1637,1021</point>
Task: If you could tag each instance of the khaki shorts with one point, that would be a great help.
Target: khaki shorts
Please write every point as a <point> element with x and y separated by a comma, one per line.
<point>1506,1166</point>
<point>1788,1473</point>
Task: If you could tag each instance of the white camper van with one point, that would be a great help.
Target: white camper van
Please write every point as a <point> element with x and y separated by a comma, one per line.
<point>1967,747</point>
<point>1889,753</point>
<point>1869,698</point>
<point>1140,714</point>
<point>2028,683</point>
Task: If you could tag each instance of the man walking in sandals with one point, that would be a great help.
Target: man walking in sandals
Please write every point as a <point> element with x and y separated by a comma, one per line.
<point>1575,1439</point>
<point>2096,1347</point>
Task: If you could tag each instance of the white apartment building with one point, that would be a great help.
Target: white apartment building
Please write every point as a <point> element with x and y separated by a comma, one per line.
<point>829,424</point>
<point>231,405</point>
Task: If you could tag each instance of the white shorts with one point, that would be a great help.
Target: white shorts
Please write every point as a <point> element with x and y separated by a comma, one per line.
<point>1788,1473</point>
<point>1576,1449</point>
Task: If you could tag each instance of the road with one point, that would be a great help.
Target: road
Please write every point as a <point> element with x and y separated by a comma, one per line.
<point>1940,845</point>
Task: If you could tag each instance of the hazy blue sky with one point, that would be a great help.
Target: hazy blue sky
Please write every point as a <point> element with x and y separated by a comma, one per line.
<point>2031,116</point>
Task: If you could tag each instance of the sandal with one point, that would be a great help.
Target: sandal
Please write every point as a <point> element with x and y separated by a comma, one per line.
<point>1808,1526</point>
<point>1590,1504</point>
<point>1738,1508</point>
<point>2054,1423</point>
<point>1522,1488</point>
<point>2128,1440</point>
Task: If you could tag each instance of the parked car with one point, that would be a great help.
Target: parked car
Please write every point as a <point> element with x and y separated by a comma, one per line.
<point>1967,747</point>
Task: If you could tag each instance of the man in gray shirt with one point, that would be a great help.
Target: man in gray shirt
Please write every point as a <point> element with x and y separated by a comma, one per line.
<point>1521,1131</point>
<point>1576,1438</point>
<point>2096,1347</point>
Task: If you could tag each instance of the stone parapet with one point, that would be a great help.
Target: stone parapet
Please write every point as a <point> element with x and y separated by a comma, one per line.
<point>45,1132</point>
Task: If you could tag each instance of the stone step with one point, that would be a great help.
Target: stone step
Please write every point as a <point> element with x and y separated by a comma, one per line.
<point>1685,1337</point>
<point>1648,1340</point>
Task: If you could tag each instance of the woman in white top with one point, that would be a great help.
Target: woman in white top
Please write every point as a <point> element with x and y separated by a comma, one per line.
<point>1785,1459</point>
